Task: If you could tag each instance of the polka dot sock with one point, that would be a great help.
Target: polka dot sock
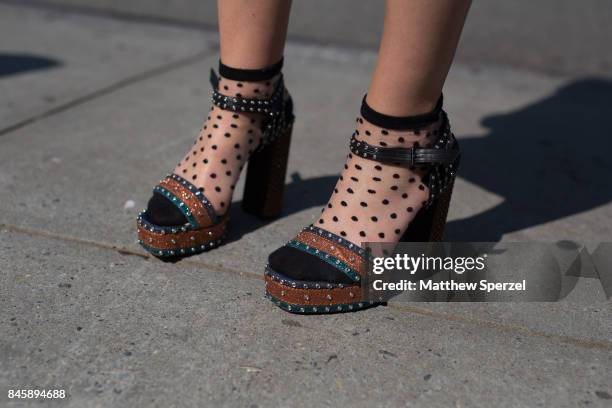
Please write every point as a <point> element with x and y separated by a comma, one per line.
<point>372,201</point>
<point>225,143</point>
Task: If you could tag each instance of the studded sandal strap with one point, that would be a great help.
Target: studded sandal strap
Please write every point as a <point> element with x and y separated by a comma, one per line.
<point>272,106</point>
<point>409,156</point>
<point>196,208</point>
<point>347,257</point>
<point>278,108</point>
<point>444,152</point>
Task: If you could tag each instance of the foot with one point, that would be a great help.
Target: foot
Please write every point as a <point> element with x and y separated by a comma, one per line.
<point>373,201</point>
<point>225,142</point>
<point>396,167</point>
<point>377,196</point>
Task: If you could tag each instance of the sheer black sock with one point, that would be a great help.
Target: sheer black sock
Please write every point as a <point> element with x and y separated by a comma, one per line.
<point>224,144</point>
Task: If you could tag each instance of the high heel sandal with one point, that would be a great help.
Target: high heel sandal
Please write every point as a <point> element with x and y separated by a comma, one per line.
<point>315,248</point>
<point>204,229</point>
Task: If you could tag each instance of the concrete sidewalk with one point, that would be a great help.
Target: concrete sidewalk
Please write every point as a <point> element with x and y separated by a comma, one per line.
<point>94,111</point>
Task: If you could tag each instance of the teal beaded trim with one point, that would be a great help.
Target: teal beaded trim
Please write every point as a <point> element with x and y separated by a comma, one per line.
<point>320,309</point>
<point>333,261</point>
<point>179,204</point>
<point>182,251</point>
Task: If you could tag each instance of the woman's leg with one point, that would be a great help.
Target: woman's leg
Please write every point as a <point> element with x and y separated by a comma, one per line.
<point>376,199</point>
<point>252,35</point>
<point>252,32</point>
<point>417,47</point>
<point>250,107</point>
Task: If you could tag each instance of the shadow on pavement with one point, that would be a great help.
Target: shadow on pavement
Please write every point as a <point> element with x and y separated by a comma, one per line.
<point>299,195</point>
<point>549,160</point>
<point>12,64</point>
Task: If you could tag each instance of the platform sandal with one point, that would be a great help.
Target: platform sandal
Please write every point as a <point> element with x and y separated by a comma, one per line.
<point>187,222</point>
<point>320,271</point>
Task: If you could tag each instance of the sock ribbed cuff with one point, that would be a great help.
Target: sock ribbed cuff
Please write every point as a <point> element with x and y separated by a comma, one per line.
<point>250,75</point>
<point>400,122</point>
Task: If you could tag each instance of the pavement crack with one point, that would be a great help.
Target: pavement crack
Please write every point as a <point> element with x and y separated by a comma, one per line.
<point>503,327</point>
<point>121,249</point>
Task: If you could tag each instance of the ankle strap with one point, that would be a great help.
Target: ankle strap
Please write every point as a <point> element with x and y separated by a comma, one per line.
<point>445,151</point>
<point>400,122</point>
<point>272,106</point>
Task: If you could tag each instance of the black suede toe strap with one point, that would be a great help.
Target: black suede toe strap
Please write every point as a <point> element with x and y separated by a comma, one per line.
<point>299,265</point>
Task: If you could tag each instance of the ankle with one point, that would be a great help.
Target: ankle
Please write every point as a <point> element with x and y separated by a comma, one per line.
<point>376,199</point>
<point>374,134</point>
<point>248,89</point>
<point>249,83</point>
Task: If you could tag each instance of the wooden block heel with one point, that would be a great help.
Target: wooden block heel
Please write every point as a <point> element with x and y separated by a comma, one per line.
<point>428,225</point>
<point>265,179</point>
